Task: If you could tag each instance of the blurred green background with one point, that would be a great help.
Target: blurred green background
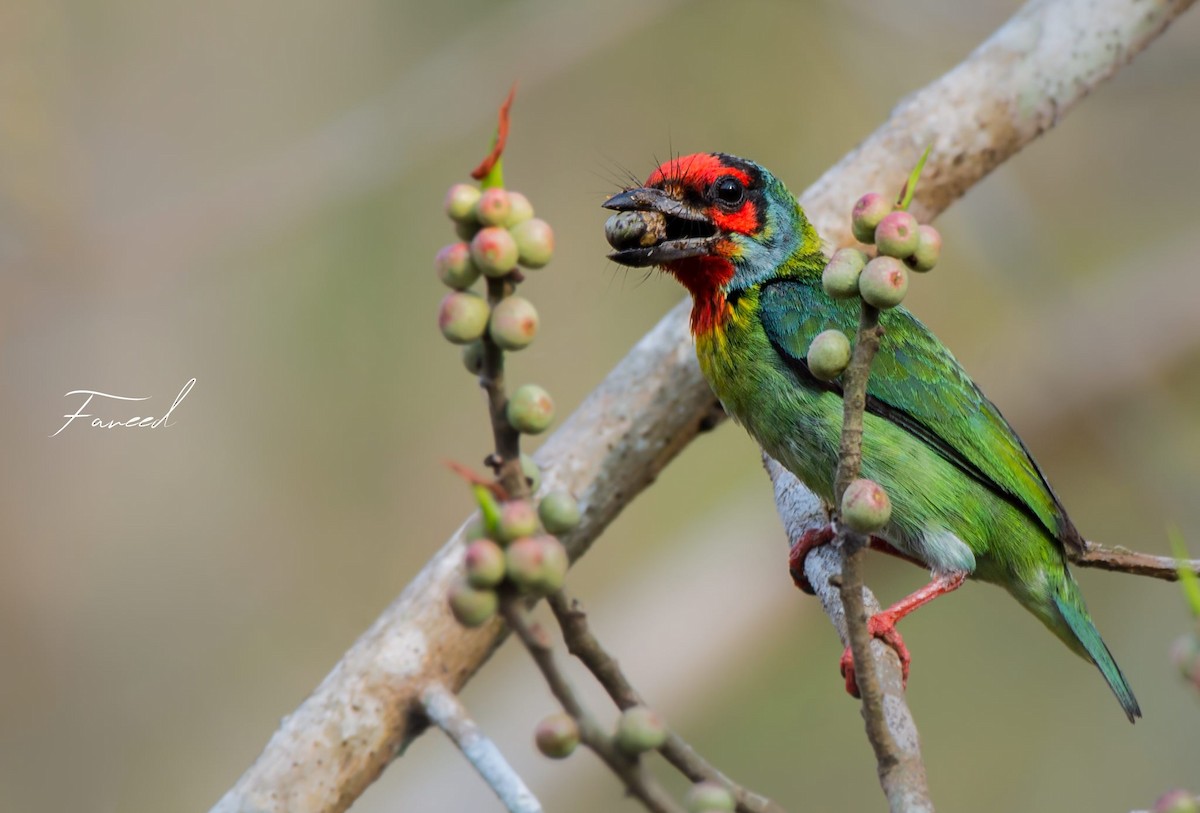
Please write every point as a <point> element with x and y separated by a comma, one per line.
<point>249,194</point>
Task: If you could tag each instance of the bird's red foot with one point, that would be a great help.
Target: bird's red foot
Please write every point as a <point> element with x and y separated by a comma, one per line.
<point>882,626</point>
<point>812,538</point>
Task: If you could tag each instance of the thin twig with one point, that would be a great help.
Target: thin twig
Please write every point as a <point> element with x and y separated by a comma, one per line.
<point>1123,560</point>
<point>506,461</point>
<point>632,772</point>
<point>888,756</point>
<point>446,711</point>
<point>584,645</point>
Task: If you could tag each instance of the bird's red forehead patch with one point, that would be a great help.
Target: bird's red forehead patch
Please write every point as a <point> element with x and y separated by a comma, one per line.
<point>697,170</point>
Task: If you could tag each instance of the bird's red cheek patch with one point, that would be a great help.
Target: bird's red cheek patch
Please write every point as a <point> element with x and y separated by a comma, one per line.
<point>743,221</point>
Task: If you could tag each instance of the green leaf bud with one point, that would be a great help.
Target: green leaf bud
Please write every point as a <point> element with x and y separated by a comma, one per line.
<point>514,323</point>
<point>866,507</point>
<point>493,207</point>
<point>928,250</point>
<point>535,242</point>
<point>530,409</point>
<point>559,512</point>
<point>460,202</point>
<point>472,607</point>
<point>640,729</point>
<point>883,283</point>
<point>494,251</point>
<point>454,266</point>
<point>517,518</point>
<point>708,797</point>
<point>520,209</point>
<point>868,211</point>
<point>840,277</point>
<point>896,235</point>
<point>463,316</point>
<point>557,735</point>
<point>829,354</point>
<point>485,563</point>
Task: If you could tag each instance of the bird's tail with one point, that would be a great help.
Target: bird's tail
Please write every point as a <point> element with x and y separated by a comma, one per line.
<point>1069,603</point>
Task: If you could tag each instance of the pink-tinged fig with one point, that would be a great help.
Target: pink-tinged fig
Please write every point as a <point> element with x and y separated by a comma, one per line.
<point>520,209</point>
<point>866,507</point>
<point>462,317</point>
<point>454,266</point>
<point>557,735</point>
<point>514,323</point>
<point>517,518</point>
<point>883,283</point>
<point>897,235</point>
<point>494,251</point>
<point>530,409</point>
<point>493,207</point>
<point>484,563</point>
<point>868,211</point>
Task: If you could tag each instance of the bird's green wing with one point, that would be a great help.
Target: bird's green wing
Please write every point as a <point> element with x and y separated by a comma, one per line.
<point>918,385</point>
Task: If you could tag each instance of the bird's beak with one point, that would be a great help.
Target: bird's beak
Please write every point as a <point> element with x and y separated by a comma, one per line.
<point>656,228</point>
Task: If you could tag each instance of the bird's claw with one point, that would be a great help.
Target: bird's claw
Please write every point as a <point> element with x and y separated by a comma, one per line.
<point>812,538</point>
<point>881,626</point>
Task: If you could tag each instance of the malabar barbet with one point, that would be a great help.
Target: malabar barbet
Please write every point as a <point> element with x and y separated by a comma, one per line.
<point>967,498</point>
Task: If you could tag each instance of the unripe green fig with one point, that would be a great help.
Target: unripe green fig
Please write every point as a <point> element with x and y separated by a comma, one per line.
<point>463,316</point>
<point>840,277</point>
<point>460,202</point>
<point>530,409</point>
<point>485,563</point>
<point>897,235</point>
<point>635,229</point>
<point>535,242</point>
<point>866,507</point>
<point>472,357</point>
<point>868,211</point>
<point>708,797</point>
<point>493,207</point>
<point>494,251</point>
<point>640,729</point>
<point>517,518</point>
<point>928,250</point>
<point>557,735</point>
<point>883,283</point>
<point>454,266</point>
<point>520,209</point>
<point>514,323</point>
<point>555,562</point>
<point>533,474</point>
<point>559,512</point>
<point>471,606</point>
<point>829,354</point>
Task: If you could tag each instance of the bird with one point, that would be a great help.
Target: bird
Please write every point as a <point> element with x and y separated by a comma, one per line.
<point>968,500</point>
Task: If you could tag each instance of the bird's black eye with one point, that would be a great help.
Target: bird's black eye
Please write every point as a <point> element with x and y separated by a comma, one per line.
<point>728,191</point>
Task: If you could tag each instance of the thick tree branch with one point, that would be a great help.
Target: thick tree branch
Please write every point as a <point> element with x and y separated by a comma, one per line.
<point>1011,89</point>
